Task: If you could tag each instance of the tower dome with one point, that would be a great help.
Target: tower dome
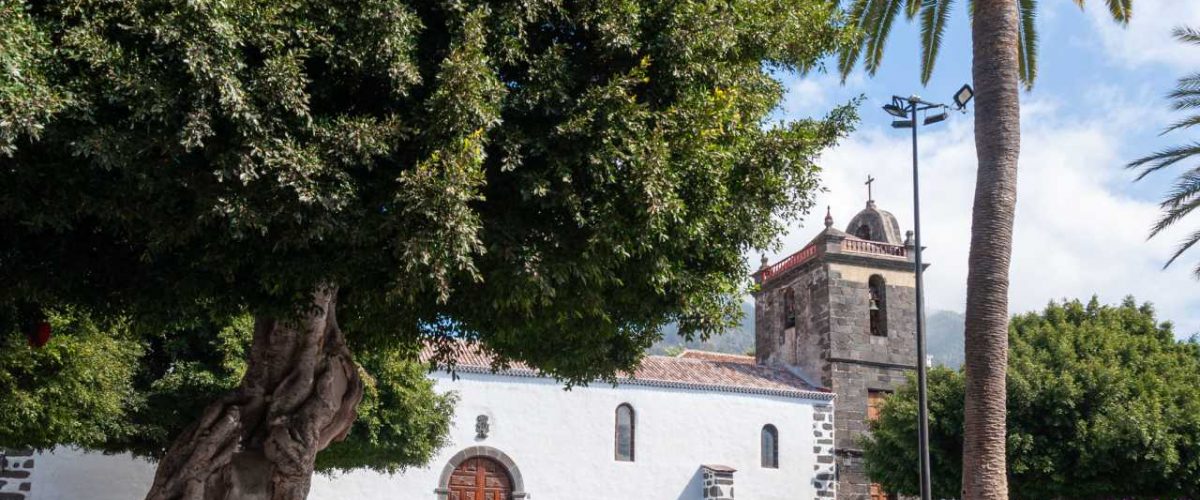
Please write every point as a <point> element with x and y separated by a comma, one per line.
<point>874,224</point>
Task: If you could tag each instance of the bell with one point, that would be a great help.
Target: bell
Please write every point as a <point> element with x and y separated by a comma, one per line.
<point>874,305</point>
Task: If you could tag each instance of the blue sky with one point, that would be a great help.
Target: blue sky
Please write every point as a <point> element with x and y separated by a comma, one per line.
<point>1081,223</point>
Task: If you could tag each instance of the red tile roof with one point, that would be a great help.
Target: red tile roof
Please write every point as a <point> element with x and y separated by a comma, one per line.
<point>698,370</point>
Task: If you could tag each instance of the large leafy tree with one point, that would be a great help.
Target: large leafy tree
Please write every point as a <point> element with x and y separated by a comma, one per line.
<point>1184,196</point>
<point>555,180</point>
<point>1103,402</point>
<point>1004,55</point>
<point>115,385</point>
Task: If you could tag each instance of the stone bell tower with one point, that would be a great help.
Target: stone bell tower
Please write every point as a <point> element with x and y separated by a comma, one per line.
<point>841,313</point>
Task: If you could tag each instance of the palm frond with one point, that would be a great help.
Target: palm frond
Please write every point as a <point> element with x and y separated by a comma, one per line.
<point>880,18</point>
<point>1187,34</point>
<point>1184,246</point>
<point>1184,100</point>
<point>911,8</point>
<point>1190,81</point>
<point>1027,43</point>
<point>934,14</point>
<point>849,53</point>
<point>1121,10</point>
<point>1184,197</point>
<point>1188,122</point>
<point>1181,201</point>
<point>1163,159</point>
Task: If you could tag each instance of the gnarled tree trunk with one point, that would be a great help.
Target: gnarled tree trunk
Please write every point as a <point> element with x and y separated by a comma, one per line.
<point>259,441</point>
<point>995,70</point>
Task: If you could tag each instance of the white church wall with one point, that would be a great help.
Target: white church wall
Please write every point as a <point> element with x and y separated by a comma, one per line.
<point>68,473</point>
<point>561,442</point>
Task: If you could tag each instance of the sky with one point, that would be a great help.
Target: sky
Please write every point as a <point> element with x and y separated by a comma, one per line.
<point>1082,223</point>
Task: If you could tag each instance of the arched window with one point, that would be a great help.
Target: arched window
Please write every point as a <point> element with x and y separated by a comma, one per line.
<point>789,308</point>
<point>625,432</point>
<point>878,305</point>
<point>863,231</point>
<point>770,447</point>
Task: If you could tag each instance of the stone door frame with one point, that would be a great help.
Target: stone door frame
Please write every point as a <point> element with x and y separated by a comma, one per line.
<point>518,484</point>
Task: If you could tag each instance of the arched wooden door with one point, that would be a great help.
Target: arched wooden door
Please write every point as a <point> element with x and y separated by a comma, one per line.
<point>480,478</point>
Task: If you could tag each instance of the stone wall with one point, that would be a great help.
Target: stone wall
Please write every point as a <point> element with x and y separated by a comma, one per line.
<point>804,347</point>
<point>850,321</point>
<point>16,469</point>
<point>862,363</point>
<point>718,482</point>
<point>825,481</point>
<point>853,483</point>
<point>852,383</point>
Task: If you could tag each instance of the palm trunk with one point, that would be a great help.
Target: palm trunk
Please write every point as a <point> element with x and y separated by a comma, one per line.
<point>259,441</point>
<point>997,143</point>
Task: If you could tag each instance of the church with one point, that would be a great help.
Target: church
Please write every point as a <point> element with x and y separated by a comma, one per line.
<point>834,332</point>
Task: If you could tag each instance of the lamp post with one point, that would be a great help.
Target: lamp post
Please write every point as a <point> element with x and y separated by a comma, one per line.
<point>907,109</point>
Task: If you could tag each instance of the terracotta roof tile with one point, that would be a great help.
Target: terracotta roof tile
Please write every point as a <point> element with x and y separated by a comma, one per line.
<point>693,369</point>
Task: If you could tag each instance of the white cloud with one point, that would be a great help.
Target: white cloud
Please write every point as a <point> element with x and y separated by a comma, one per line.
<point>1147,40</point>
<point>1077,232</point>
<point>816,93</point>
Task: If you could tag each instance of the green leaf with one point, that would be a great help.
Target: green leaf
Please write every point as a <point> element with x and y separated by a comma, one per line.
<point>1027,43</point>
<point>934,14</point>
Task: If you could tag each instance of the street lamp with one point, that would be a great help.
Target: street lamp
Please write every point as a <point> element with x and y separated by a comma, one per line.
<point>907,109</point>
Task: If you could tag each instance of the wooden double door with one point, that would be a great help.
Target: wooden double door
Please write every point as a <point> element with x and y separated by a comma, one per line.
<point>480,478</point>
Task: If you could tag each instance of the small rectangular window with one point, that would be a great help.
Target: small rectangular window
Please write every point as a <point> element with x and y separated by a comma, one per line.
<point>789,308</point>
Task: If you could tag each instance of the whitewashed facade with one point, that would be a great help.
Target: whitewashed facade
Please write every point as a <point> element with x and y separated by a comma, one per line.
<point>689,412</point>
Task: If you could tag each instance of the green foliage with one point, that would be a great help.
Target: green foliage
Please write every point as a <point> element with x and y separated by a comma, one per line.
<point>891,450</point>
<point>75,389</point>
<point>872,21</point>
<point>1103,402</point>
<point>126,388</point>
<point>401,421</point>
<point>27,100</point>
<point>555,179</point>
<point>1184,196</point>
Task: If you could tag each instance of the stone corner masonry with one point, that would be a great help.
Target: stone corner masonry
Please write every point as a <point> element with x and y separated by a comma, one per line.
<point>16,467</point>
<point>718,482</point>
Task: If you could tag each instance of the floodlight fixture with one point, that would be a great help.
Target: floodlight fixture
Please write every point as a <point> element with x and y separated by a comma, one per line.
<point>895,110</point>
<point>963,96</point>
<point>931,119</point>
<point>902,124</point>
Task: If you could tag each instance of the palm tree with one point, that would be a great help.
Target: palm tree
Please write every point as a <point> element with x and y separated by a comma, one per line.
<point>1004,45</point>
<point>1184,196</point>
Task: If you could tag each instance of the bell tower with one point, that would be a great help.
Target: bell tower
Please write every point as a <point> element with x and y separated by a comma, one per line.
<point>841,313</point>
